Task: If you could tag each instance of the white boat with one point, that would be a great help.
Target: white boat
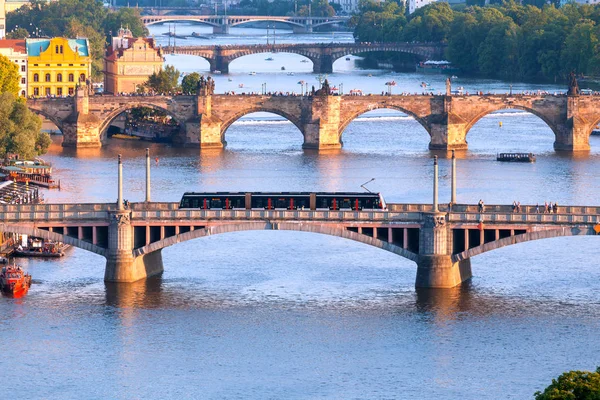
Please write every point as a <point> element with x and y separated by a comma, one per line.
<point>229,79</point>
<point>269,59</point>
<point>217,72</point>
<point>290,73</point>
<point>252,73</point>
<point>304,60</point>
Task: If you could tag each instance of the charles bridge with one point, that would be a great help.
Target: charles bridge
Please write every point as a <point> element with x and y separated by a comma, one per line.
<point>322,55</point>
<point>320,116</point>
<point>222,23</point>
<point>441,240</point>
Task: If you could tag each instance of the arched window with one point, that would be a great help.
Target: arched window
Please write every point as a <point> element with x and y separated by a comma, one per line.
<point>36,78</point>
<point>47,77</point>
<point>22,93</point>
<point>58,77</point>
<point>82,78</point>
<point>71,78</point>
<point>61,49</point>
<point>36,91</point>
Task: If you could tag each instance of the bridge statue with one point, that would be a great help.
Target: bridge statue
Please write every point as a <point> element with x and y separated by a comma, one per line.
<point>573,85</point>
<point>206,87</point>
<point>325,89</point>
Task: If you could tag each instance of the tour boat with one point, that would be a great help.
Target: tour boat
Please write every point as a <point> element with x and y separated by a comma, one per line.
<point>516,157</point>
<point>14,281</point>
<point>304,60</point>
<point>269,59</point>
<point>252,73</point>
<point>432,66</point>
<point>347,58</point>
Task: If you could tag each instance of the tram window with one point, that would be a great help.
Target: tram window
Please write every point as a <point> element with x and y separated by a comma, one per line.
<point>345,203</point>
<point>257,203</point>
<point>324,203</point>
<point>216,203</point>
<point>281,203</point>
<point>195,202</point>
<point>368,203</point>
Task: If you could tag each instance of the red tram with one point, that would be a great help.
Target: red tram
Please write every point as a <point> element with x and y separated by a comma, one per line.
<point>283,201</point>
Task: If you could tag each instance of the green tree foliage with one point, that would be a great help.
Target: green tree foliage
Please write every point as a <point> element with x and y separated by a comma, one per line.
<point>508,40</point>
<point>70,18</point>
<point>165,81</point>
<point>189,83</point>
<point>19,33</point>
<point>573,385</point>
<point>9,76</point>
<point>20,129</point>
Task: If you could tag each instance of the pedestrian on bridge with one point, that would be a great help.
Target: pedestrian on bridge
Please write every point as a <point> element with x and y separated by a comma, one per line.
<point>481,206</point>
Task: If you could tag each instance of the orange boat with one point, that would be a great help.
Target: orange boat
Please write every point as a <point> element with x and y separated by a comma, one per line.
<point>14,281</point>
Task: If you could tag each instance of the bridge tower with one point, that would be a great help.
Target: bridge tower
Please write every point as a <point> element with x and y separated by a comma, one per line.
<point>121,265</point>
<point>435,268</point>
<point>81,128</point>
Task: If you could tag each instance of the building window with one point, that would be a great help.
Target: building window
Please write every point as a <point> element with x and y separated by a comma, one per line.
<point>61,49</point>
<point>47,77</point>
<point>35,65</point>
<point>36,91</point>
<point>83,65</point>
<point>59,91</point>
<point>70,91</point>
<point>60,65</point>
<point>82,78</point>
<point>71,78</point>
<point>56,49</point>
<point>23,67</point>
<point>47,65</point>
<point>70,65</point>
<point>58,77</point>
<point>47,91</point>
<point>22,93</point>
<point>36,78</point>
<point>23,81</point>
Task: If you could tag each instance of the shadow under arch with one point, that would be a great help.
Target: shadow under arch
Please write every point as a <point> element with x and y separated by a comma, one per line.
<point>525,237</point>
<point>240,55</point>
<point>282,226</point>
<point>192,18</point>
<point>240,114</point>
<point>54,236</point>
<point>512,107</point>
<point>268,20</point>
<point>381,106</point>
<point>114,114</point>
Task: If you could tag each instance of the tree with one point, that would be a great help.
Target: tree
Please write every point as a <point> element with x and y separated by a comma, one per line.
<point>164,81</point>
<point>9,76</point>
<point>18,33</point>
<point>189,84</point>
<point>20,129</point>
<point>573,385</point>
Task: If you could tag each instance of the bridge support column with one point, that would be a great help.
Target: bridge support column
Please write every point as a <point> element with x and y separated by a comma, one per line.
<point>219,63</point>
<point>221,29</point>
<point>322,130</point>
<point>448,130</point>
<point>121,265</point>
<point>323,64</point>
<point>81,129</point>
<point>303,29</point>
<point>575,135</point>
<point>435,268</point>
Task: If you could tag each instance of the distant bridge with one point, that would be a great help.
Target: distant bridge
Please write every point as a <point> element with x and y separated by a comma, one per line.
<point>322,55</point>
<point>222,23</point>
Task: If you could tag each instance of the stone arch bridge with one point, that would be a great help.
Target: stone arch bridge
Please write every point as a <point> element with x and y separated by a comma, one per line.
<point>441,243</point>
<point>321,119</point>
<point>222,23</point>
<point>322,55</point>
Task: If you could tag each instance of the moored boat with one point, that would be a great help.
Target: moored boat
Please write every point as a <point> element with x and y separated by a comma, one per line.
<point>14,281</point>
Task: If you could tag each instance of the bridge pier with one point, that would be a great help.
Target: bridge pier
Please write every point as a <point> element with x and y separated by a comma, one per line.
<point>322,130</point>
<point>447,129</point>
<point>323,64</point>
<point>221,29</point>
<point>575,134</point>
<point>303,29</point>
<point>82,128</point>
<point>219,63</point>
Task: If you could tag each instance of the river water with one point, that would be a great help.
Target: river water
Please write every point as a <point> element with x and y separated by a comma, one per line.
<point>289,315</point>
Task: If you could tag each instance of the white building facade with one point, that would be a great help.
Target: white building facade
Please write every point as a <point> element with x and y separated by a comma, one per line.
<point>15,51</point>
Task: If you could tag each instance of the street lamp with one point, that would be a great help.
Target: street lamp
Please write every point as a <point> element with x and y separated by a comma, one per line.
<point>301,83</point>
<point>341,85</point>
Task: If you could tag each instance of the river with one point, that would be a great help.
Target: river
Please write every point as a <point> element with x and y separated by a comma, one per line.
<point>290,315</point>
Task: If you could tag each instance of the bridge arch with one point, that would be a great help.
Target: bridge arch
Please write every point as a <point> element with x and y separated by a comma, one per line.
<point>192,18</point>
<point>530,110</point>
<point>379,106</point>
<point>47,235</point>
<point>283,226</point>
<point>266,19</point>
<point>129,106</point>
<point>48,116</point>
<point>314,58</point>
<point>293,119</point>
<point>525,237</point>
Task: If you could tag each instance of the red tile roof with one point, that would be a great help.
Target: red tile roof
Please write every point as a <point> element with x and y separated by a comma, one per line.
<point>15,44</point>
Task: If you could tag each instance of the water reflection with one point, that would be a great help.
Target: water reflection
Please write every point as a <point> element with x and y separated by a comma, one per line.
<point>146,293</point>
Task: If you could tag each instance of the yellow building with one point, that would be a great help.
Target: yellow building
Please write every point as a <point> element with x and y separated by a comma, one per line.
<point>129,62</point>
<point>56,65</point>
